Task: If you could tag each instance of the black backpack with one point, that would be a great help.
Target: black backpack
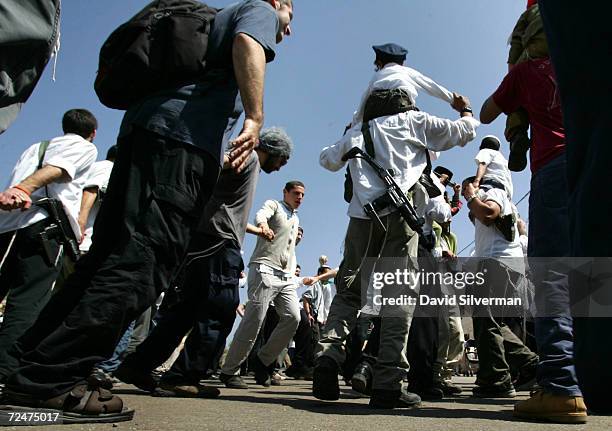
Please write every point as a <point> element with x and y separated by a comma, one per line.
<point>162,46</point>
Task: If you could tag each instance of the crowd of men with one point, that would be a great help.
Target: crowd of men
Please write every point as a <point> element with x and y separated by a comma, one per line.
<point>171,206</point>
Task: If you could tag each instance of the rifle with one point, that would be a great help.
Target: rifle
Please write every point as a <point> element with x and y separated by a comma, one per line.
<point>60,224</point>
<point>394,196</point>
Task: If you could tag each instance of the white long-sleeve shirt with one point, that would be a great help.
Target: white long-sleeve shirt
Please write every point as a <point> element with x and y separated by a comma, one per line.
<point>399,143</point>
<point>395,76</point>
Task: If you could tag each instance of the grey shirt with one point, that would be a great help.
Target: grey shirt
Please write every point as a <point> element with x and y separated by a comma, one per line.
<point>227,212</point>
<point>280,253</point>
<point>205,114</point>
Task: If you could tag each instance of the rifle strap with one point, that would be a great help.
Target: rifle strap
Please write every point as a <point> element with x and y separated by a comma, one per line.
<point>367,138</point>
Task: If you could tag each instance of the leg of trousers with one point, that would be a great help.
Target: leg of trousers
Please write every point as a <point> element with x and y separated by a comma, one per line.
<point>119,354</point>
<point>549,238</point>
<point>142,327</point>
<point>156,194</point>
<point>585,93</point>
<point>264,288</point>
<point>303,342</point>
<point>28,277</point>
<point>214,283</point>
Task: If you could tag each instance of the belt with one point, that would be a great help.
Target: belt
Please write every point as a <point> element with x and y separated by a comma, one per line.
<point>494,184</point>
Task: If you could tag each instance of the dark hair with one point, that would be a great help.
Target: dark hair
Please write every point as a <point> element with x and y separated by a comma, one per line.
<point>80,122</point>
<point>111,154</point>
<point>490,142</point>
<point>293,184</point>
<point>301,229</point>
<point>468,180</point>
<point>298,266</point>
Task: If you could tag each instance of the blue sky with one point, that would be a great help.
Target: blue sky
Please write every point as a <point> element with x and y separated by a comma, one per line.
<point>312,89</point>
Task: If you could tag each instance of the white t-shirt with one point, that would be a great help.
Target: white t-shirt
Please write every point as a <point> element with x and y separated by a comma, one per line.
<point>490,242</point>
<point>497,168</point>
<point>71,153</point>
<point>99,174</point>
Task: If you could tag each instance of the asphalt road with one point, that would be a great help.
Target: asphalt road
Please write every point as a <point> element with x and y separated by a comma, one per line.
<point>291,407</point>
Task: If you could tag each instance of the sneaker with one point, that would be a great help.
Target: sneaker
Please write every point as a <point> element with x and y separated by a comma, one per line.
<point>386,399</point>
<point>519,145</point>
<point>546,406</point>
<point>325,384</point>
<point>276,379</point>
<point>362,379</point>
<point>129,372</point>
<point>185,390</point>
<point>505,391</point>
<point>299,373</point>
<point>448,389</point>
<point>233,381</point>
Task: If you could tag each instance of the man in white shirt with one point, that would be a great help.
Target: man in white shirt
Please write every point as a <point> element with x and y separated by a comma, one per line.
<point>391,74</point>
<point>400,142</point>
<point>492,167</point>
<point>271,278</point>
<point>92,196</point>
<point>31,249</point>
<point>501,260</point>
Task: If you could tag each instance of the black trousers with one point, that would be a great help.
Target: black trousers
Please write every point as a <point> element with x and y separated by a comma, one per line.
<point>26,277</point>
<point>306,336</point>
<point>156,194</point>
<point>205,303</point>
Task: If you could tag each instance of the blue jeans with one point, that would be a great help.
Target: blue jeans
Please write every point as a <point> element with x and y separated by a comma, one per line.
<point>549,237</point>
<point>114,361</point>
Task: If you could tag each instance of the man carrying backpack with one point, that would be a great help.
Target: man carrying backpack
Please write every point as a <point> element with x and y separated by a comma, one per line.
<point>171,148</point>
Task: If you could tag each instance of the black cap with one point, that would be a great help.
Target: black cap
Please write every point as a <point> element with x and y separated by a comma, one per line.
<point>441,170</point>
<point>491,142</point>
<point>390,52</point>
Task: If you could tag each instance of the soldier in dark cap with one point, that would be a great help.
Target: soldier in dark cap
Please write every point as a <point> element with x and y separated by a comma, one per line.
<point>391,74</point>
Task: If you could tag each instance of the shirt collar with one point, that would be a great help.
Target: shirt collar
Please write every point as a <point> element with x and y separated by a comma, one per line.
<point>288,208</point>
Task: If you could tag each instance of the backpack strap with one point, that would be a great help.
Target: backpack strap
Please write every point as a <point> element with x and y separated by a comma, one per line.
<point>42,149</point>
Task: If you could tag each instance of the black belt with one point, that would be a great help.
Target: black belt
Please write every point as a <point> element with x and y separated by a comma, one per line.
<point>494,184</point>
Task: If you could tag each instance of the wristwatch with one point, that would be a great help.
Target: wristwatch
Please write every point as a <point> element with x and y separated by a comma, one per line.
<point>466,109</point>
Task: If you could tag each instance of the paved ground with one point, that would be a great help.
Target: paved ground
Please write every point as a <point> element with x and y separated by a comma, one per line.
<point>290,407</point>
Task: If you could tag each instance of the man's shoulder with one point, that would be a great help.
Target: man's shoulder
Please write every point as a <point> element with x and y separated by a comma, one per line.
<point>237,10</point>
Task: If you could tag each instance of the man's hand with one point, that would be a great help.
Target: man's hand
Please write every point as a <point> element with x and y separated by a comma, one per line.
<point>244,144</point>
<point>13,198</point>
<point>448,255</point>
<point>459,102</point>
<point>266,232</point>
<point>469,190</point>
<point>457,189</point>
<point>309,281</point>
<point>311,319</point>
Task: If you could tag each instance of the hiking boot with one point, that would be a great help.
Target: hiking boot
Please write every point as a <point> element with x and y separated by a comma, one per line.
<point>362,379</point>
<point>519,145</point>
<point>129,372</point>
<point>448,388</point>
<point>233,381</point>
<point>503,391</point>
<point>387,399</point>
<point>545,406</point>
<point>325,384</point>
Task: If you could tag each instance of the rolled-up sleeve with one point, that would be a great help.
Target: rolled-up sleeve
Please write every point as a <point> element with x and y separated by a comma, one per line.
<point>71,156</point>
<point>443,134</point>
<point>266,212</point>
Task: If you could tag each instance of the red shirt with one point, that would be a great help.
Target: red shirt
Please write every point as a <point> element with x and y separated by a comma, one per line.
<point>531,3</point>
<point>532,85</point>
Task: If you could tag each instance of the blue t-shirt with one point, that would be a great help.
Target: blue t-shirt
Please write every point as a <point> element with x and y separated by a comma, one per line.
<point>205,114</point>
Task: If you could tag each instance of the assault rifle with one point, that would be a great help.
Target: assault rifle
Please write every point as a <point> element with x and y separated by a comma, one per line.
<point>393,197</point>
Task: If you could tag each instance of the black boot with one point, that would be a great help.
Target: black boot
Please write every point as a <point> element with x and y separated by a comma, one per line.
<point>389,399</point>
<point>519,145</point>
<point>362,379</point>
<point>325,380</point>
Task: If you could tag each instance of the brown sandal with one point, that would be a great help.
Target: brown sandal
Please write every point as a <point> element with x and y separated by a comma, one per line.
<point>83,404</point>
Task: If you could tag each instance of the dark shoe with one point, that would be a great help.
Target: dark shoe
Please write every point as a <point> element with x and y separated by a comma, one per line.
<point>430,393</point>
<point>129,372</point>
<point>362,379</point>
<point>299,373</point>
<point>526,379</point>
<point>101,379</point>
<point>519,145</point>
<point>386,399</point>
<point>325,384</point>
<point>263,373</point>
<point>506,391</point>
<point>185,390</point>
<point>448,389</point>
<point>233,381</point>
